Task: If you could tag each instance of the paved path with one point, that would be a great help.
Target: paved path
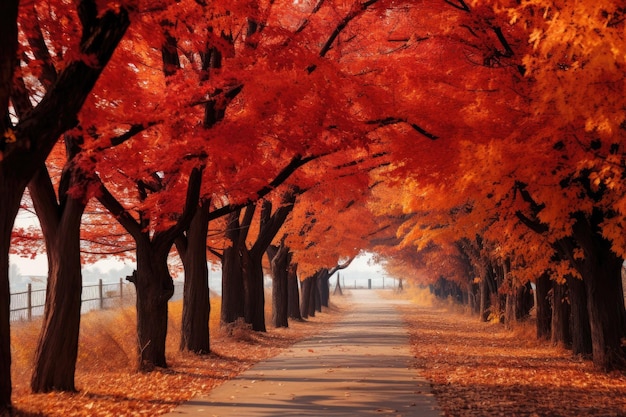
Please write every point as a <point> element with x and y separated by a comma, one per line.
<point>359,367</point>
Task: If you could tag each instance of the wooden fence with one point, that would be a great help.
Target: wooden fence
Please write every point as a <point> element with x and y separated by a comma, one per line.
<point>29,304</point>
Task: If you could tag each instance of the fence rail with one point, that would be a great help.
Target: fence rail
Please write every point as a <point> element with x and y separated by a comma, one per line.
<point>29,304</point>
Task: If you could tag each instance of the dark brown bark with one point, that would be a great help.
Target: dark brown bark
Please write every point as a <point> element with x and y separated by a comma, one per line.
<point>560,316</point>
<point>519,301</point>
<point>313,296</point>
<point>239,274</point>
<point>543,287</point>
<point>307,289</point>
<point>154,287</point>
<point>57,348</point>
<point>280,260</point>
<point>232,276</point>
<point>8,58</point>
<point>251,259</point>
<point>485,299</point>
<point>195,336</point>
<point>294,293</point>
<point>524,302</point>
<point>318,293</point>
<point>338,290</point>
<point>601,273</point>
<point>509,310</point>
<point>254,293</point>
<point>579,317</point>
<point>11,191</point>
<point>324,288</point>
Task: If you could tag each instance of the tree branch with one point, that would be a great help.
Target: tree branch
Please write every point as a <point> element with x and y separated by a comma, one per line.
<point>295,163</point>
<point>397,120</point>
<point>357,9</point>
<point>461,5</point>
<point>57,112</point>
<point>120,213</point>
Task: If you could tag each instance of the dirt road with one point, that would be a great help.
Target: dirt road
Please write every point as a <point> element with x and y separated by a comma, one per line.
<point>359,367</point>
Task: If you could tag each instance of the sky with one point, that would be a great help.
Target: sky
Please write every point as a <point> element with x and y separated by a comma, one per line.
<point>357,274</point>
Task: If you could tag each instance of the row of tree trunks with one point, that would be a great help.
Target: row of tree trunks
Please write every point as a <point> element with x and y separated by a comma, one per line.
<point>247,262</point>
<point>601,274</point>
<point>585,315</point>
<point>600,270</point>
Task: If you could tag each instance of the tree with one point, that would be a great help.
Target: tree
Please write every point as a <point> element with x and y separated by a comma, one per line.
<point>577,163</point>
<point>27,142</point>
<point>153,282</point>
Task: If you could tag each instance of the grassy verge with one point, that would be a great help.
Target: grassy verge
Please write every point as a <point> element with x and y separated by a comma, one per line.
<point>106,375</point>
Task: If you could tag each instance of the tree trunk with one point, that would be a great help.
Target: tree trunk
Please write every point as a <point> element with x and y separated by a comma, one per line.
<point>279,257</point>
<point>560,316</point>
<point>523,302</point>
<point>11,190</point>
<point>307,289</point>
<point>294,293</point>
<point>196,304</point>
<point>254,293</point>
<point>232,275</point>
<point>579,317</point>
<point>509,309</point>
<point>314,304</point>
<point>510,296</point>
<point>323,283</point>
<point>605,305</point>
<point>154,287</point>
<point>57,348</point>
<point>472,295</point>
<point>270,224</point>
<point>543,307</point>
<point>485,299</point>
<point>338,290</point>
<point>601,273</point>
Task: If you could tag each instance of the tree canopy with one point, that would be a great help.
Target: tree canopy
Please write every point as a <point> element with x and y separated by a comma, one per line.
<point>470,142</point>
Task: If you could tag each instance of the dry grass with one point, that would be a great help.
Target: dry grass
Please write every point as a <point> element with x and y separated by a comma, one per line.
<point>483,369</point>
<point>106,374</point>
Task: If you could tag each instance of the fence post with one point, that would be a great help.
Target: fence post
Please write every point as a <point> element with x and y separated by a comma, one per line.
<point>121,288</point>
<point>100,294</point>
<point>29,301</point>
